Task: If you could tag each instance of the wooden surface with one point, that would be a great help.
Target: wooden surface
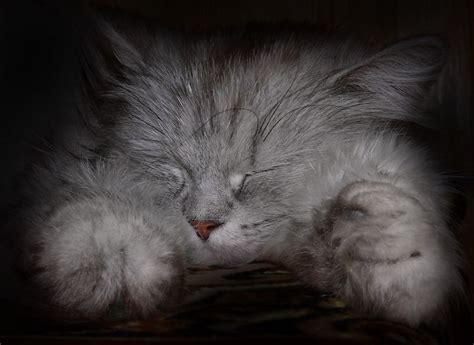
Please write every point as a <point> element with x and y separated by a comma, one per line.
<point>233,305</point>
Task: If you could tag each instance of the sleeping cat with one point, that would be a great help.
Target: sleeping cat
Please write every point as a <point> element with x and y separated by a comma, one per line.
<point>221,149</point>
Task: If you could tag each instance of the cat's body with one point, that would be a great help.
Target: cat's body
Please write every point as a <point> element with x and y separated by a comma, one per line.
<point>222,150</point>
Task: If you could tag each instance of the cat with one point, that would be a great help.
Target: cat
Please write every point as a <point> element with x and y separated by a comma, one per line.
<point>225,148</point>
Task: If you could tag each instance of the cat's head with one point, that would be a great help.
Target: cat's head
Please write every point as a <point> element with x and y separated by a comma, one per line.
<point>235,127</point>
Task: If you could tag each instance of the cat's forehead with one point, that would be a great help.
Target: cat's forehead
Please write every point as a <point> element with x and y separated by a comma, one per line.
<point>215,155</point>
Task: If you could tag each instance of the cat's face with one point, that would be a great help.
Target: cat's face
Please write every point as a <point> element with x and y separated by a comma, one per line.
<point>213,137</point>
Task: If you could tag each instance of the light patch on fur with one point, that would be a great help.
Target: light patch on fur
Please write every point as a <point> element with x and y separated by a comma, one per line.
<point>236,181</point>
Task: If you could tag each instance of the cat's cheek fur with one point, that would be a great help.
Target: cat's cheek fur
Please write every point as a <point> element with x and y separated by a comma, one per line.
<point>100,256</point>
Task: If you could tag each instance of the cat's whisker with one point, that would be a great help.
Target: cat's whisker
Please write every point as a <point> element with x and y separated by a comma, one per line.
<point>311,165</point>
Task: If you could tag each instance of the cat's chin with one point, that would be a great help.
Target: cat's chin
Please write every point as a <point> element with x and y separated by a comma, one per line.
<point>208,256</point>
<point>219,263</point>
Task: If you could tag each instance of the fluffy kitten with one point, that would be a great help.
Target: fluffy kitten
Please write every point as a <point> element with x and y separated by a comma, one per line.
<point>227,148</point>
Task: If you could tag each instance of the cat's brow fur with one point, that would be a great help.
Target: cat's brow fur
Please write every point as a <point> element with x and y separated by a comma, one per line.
<point>305,120</point>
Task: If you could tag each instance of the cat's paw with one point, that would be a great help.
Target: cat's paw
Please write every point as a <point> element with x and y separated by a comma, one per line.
<point>398,256</point>
<point>105,259</point>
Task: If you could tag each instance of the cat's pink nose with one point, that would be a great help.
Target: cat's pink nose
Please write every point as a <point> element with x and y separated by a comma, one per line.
<point>204,227</point>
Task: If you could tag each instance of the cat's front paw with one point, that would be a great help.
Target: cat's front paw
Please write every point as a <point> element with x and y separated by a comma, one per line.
<point>398,256</point>
<point>103,259</point>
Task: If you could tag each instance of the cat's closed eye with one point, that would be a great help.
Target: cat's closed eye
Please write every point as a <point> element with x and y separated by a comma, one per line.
<point>176,180</point>
<point>237,182</point>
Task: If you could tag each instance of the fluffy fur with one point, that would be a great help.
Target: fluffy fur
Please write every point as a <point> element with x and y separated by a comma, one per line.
<point>288,140</point>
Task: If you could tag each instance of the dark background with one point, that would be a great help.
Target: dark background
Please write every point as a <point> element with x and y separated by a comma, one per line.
<point>39,73</point>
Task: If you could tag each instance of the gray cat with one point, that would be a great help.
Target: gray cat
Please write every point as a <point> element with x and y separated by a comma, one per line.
<point>227,148</point>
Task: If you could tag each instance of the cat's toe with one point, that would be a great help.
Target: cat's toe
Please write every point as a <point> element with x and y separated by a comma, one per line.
<point>374,198</point>
<point>382,240</point>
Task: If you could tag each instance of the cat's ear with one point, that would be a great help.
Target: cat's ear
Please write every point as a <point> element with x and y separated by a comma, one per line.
<point>400,76</point>
<point>109,58</point>
<point>109,50</point>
